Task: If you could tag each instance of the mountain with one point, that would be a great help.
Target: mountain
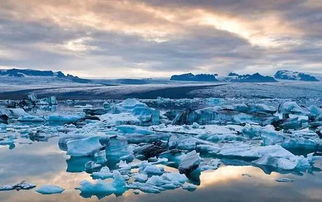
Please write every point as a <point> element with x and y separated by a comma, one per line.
<point>192,77</point>
<point>39,74</point>
<point>233,77</point>
<point>292,75</point>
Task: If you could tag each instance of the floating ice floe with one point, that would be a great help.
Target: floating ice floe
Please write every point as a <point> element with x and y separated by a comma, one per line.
<point>20,186</point>
<point>103,174</point>
<point>284,180</point>
<point>50,189</point>
<point>102,188</point>
<point>189,162</point>
<point>57,119</point>
<point>274,156</point>
<point>156,184</point>
<point>145,114</point>
<point>287,108</point>
<point>84,147</point>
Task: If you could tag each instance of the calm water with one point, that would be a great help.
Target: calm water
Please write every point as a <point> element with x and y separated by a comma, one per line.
<point>43,163</point>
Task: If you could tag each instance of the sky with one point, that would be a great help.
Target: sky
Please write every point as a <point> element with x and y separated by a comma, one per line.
<point>158,38</point>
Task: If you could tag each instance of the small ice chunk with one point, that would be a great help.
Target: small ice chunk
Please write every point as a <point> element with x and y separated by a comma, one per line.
<point>102,188</point>
<point>175,178</point>
<point>130,104</point>
<point>279,158</point>
<point>189,162</point>
<point>20,186</point>
<point>50,189</point>
<point>140,177</point>
<point>212,164</point>
<point>123,165</point>
<point>134,129</point>
<point>103,174</point>
<point>315,111</point>
<point>189,187</point>
<point>284,180</point>
<point>144,114</point>
<point>119,119</point>
<point>153,170</point>
<point>291,108</point>
<point>144,187</point>
<point>31,119</point>
<point>18,112</point>
<point>117,149</point>
<point>91,166</point>
<point>57,119</point>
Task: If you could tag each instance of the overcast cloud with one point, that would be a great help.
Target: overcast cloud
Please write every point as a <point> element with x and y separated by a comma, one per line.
<point>157,38</point>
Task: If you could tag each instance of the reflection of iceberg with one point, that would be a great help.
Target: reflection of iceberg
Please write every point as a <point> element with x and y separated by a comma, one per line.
<point>117,149</point>
<point>77,164</point>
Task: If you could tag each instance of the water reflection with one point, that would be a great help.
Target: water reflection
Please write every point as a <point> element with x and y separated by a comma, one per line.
<point>43,163</point>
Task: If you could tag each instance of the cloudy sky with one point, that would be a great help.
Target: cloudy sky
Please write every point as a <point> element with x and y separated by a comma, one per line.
<point>157,38</point>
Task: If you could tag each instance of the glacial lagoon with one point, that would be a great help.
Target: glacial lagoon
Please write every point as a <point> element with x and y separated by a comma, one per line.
<point>227,154</point>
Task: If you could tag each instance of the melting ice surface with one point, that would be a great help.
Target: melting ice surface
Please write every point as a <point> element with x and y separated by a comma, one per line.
<point>161,150</point>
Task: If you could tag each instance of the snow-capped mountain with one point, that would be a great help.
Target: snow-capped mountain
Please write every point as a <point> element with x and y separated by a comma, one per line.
<point>192,77</point>
<point>292,75</point>
<point>27,74</point>
<point>234,77</point>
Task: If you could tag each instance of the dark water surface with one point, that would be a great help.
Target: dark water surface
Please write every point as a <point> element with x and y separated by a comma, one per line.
<point>43,163</point>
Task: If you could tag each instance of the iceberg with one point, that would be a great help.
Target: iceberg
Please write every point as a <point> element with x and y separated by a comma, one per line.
<point>152,170</point>
<point>50,189</point>
<point>156,184</point>
<point>58,119</point>
<point>31,119</point>
<point>128,129</point>
<point>124,147</point>
<point>284,180</point>
<point>117,149</point>
<point>145,114</point>
<point>189,162</point>
<point>20,186</point>
<point>17,113</point>
<point>120,119</point>
<point>47,101</point>
<point>92,166</point>
<point>140,177</point>
<point>102,188</point>
<point>287,108</point>
<point>84,147</point>
<point>189,187</point>
<point>151,150</point>
<point>103,174</point>
<point>280,158</point>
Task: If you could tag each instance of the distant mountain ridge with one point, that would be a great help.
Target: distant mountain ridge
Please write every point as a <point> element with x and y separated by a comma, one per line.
<point>21,73</point>
<point>293,75</point>
<point>257,77</point>
<point>232,77</point>
<point>192,77</point>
